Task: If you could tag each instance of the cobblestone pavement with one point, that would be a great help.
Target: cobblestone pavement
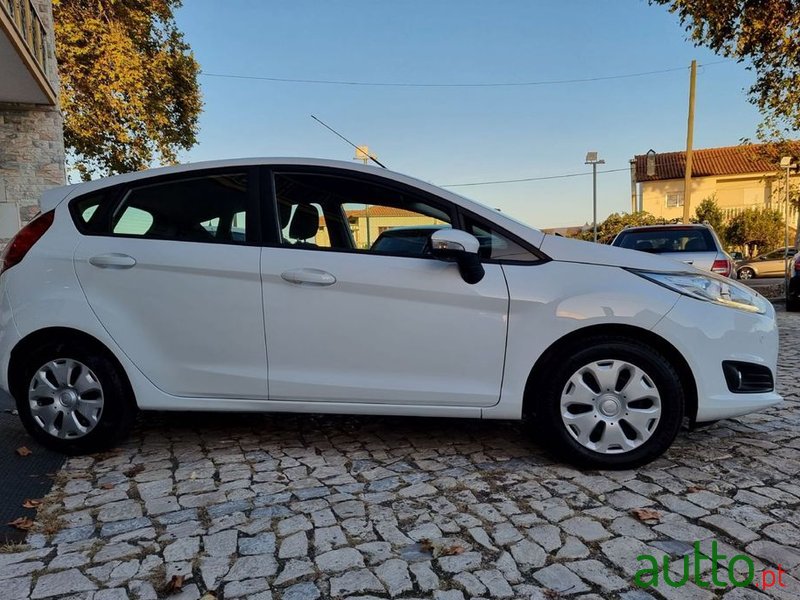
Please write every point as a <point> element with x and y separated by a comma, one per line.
<point>302,507</point>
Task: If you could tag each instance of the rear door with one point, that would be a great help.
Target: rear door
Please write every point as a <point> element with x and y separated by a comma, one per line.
<point>171,269</point>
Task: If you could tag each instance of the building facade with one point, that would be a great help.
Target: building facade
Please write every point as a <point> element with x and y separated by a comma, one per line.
<point>737,177</point>
<point>32,155</point>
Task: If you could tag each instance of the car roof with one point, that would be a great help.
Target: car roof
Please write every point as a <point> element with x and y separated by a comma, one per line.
<point>667,226</point>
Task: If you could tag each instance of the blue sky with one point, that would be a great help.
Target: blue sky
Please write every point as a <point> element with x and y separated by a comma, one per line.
<point>461,135</point>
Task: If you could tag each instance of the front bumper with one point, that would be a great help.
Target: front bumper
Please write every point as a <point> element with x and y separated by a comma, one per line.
<point>707,334</point>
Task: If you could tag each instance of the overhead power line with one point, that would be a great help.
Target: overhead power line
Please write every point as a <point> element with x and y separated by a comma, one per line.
<point>583,174</point>
<point>452,85</point>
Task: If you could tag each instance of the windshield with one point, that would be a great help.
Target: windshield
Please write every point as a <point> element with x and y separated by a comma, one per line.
<point>667,240</point>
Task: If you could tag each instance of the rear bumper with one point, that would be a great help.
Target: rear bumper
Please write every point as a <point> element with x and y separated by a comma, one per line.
<point>707,334</point>
<point>794,287</point>
<point>9,337</point>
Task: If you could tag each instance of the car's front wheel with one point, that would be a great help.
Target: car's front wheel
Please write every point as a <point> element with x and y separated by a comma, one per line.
<point>612,403</point>
<point>746,273</point>
<point>74,399</point>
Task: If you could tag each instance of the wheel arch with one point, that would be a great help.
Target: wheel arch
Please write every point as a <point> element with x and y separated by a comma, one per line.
<point>55,335</point>
<point>543,364</point>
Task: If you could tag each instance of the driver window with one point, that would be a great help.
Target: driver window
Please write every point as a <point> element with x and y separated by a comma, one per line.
<point>331,212</point>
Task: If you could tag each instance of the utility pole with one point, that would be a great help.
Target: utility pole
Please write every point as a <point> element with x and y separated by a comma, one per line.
<point>591,159</point>
<point>788,164</point>
<point>633,185</point>
<point>362,154</point>
<point>687,177</point>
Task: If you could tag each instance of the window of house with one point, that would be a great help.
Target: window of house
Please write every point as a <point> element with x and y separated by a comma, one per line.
<point>674,199</point>
<point>199,209</point>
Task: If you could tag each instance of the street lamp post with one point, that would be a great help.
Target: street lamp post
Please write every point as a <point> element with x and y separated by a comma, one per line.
<point>591,159</point>
<point>788,164</point>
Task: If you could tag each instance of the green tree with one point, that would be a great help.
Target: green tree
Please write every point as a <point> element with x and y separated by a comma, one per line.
<point>129,90</point>
<point>616,222</point>
<point>765,34</point>
<point>761,228</point>
<point>708,211</point>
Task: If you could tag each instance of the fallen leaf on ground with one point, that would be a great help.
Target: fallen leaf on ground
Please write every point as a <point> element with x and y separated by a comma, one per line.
<point>22,523</point>
<point>438,549</point>
<point>134,470</point>
<point>24,451</point>
<point>209,596</point>
<point>451,550</point>
<point>31,503</point>
<point>175,584</point>
<point>693,488</point>
<point>106,486</point>
<point>646,514</point>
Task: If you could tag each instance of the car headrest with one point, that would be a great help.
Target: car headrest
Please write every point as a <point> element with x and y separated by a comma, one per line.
<point>305,222</point>
<point>694,245</point>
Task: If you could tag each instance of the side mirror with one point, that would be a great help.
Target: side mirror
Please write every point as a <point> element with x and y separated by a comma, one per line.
<point>454,245</point>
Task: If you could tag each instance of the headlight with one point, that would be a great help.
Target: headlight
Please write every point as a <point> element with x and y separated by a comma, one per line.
<point>711,288</point>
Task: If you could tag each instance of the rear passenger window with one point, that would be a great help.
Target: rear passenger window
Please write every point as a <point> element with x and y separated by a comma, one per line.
<point>134,221</point>
<point>212,208</point>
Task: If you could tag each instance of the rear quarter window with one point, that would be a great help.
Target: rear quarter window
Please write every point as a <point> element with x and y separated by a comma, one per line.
<point>85,212</point>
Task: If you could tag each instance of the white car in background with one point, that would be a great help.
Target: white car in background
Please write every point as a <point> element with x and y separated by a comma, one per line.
<point>253,285</point>
<point>695,244</point>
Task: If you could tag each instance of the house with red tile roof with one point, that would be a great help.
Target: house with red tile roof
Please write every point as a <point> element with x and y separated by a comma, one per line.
<point>738,177</point>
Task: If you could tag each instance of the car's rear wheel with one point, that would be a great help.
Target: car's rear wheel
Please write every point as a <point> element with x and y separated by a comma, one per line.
<point>74,399</point>
<point>612,403</point>
<point>746,273</point>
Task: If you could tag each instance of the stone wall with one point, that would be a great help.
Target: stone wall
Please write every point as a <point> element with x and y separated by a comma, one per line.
<point>31,146</point>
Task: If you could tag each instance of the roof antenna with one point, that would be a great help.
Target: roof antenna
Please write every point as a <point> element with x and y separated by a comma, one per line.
<point>372,158</point>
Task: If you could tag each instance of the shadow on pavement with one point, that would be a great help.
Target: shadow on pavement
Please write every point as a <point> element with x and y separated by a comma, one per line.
<point>22,477</point>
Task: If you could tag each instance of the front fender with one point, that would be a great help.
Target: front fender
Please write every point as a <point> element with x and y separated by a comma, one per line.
<point>552,300</point>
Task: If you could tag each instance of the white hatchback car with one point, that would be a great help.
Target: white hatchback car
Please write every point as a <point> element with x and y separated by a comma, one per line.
<point>254,285</point>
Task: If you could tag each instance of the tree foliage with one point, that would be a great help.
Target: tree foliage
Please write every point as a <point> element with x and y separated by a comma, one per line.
<point>616,222</point>
<point>129,90</point>
<point>756,227</point>
<point>763,33</point>
<point>709,212</point>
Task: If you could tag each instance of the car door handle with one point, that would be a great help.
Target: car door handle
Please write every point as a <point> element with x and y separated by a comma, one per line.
<point>112,261</point>
<point>308,277</point>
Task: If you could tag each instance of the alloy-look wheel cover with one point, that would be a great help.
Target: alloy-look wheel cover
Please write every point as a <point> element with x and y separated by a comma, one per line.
<point>610,406</point>
<point>66,398</point>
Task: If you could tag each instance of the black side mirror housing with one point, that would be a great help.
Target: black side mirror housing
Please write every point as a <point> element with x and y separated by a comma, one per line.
<point>454,245</point>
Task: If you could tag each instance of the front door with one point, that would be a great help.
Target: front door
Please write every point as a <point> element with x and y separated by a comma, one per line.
<point>357,312</point>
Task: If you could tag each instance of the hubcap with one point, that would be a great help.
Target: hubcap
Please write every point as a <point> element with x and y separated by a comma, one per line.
<point>66,398</point>
<point>610,406</point>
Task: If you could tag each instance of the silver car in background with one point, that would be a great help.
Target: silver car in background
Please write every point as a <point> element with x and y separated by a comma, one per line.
<point>771,264</point>
<point>695,244</point>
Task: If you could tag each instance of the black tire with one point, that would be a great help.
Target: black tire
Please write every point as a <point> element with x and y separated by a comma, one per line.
<point>601,348</point>
<point>793,304</point>
<point>746,273</point>
<point>119,406</point>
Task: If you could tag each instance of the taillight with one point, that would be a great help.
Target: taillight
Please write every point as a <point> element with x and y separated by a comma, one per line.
<point>722,266</point>
<point>24,240</point>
